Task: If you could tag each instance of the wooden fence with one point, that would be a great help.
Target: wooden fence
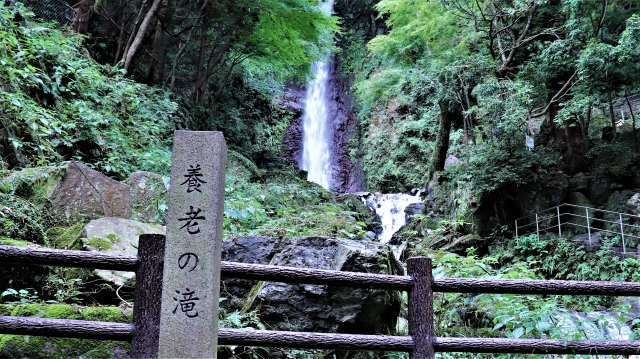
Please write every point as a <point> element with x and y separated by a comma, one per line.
<point>421,343</point>
<point>189,258</point>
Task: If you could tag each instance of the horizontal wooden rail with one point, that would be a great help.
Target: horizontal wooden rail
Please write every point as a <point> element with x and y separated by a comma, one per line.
<point>313,276</point>
<point>124,332</point>
<point>537,346</point>
<point>283,339</point>
<point>66,328</point>
<point>67,258</point>
<point>523,286</point>
<point>84,259</point>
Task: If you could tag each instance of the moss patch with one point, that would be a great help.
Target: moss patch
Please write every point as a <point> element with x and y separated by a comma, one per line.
<point>66,237</point>
<point>33,347</point>
<point>13,242</point>
<point>112,238</point>
<point>98,243</point>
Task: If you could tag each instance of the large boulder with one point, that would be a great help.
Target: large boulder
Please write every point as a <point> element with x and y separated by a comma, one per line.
<point>116,236</point>
<point>317,308</point>
<point>83,194</point>
<point>71,193</point>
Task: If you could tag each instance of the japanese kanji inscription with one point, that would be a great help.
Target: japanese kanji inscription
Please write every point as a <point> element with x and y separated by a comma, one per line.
<point>191,282</point>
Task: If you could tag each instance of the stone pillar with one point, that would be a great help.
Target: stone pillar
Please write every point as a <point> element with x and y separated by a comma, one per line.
<point>191,284</point>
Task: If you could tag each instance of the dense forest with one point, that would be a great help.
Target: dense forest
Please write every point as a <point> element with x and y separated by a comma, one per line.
<point>487,110</point>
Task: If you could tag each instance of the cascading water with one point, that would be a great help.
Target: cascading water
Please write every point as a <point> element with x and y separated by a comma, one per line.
<point>316,153</point>
<point>390,209</point>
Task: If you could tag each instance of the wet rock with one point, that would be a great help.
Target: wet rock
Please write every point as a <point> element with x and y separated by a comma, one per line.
<point>313,307</point>
<point>116,236</point>
<point>415,208</point>
<point>291,146</point>
<point>148,194</point>
<point>362,212</point>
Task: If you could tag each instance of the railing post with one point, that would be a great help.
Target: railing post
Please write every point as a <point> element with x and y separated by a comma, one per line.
<point>148,293</point>
<point>559,227</point>
<point>588,227</point>
<point>537,227</point>
<point>421,308</point>
<point>624,247</point>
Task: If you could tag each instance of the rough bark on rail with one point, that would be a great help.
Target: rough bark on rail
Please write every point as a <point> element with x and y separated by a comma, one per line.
<point>313,276</point>
<point>282,339</point>
<point>521,286</point>
<point>67,258</point>
<point>66,328</point>
<point>539,346</point>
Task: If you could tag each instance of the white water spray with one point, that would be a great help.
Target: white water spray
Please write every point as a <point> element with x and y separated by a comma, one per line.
<point>316,153</point>
<point>390,209</point>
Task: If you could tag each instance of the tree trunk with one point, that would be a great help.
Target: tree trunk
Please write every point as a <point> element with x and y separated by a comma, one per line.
<point>613,115</point>
<point>157,42</point>
<point>634,123</point>
<point>140,34</point>
<point>123,23</point>
<point>198,93</point>
<point>439,155</point>
<point>81,21</point>
<point>135,28</point>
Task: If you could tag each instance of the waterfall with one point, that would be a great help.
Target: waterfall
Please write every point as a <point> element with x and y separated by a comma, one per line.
<point>390,209</point>
<point>316,152</point>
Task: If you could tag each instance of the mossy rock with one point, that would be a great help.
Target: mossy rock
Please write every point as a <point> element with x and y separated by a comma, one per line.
<point>34,347</point>
<point>68,238</point>
<point>21,220</point>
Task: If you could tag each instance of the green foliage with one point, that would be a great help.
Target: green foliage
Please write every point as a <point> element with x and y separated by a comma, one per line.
<point>613,158</point>
<point>20,220</point>
<point>291,207</point>
<point>558,258</point>
<point>59,104</point>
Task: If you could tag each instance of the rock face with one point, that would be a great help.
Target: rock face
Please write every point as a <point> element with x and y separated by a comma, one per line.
<point>314,308</point>
<point>291,147</point>
<point>83,194</point>
<point>116,236</point>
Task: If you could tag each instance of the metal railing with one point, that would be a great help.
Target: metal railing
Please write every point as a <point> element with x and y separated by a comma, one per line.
<point>567,215</point>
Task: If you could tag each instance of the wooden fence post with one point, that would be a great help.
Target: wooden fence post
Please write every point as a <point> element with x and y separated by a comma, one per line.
<point>146,309</point>
<point>421,307</point>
